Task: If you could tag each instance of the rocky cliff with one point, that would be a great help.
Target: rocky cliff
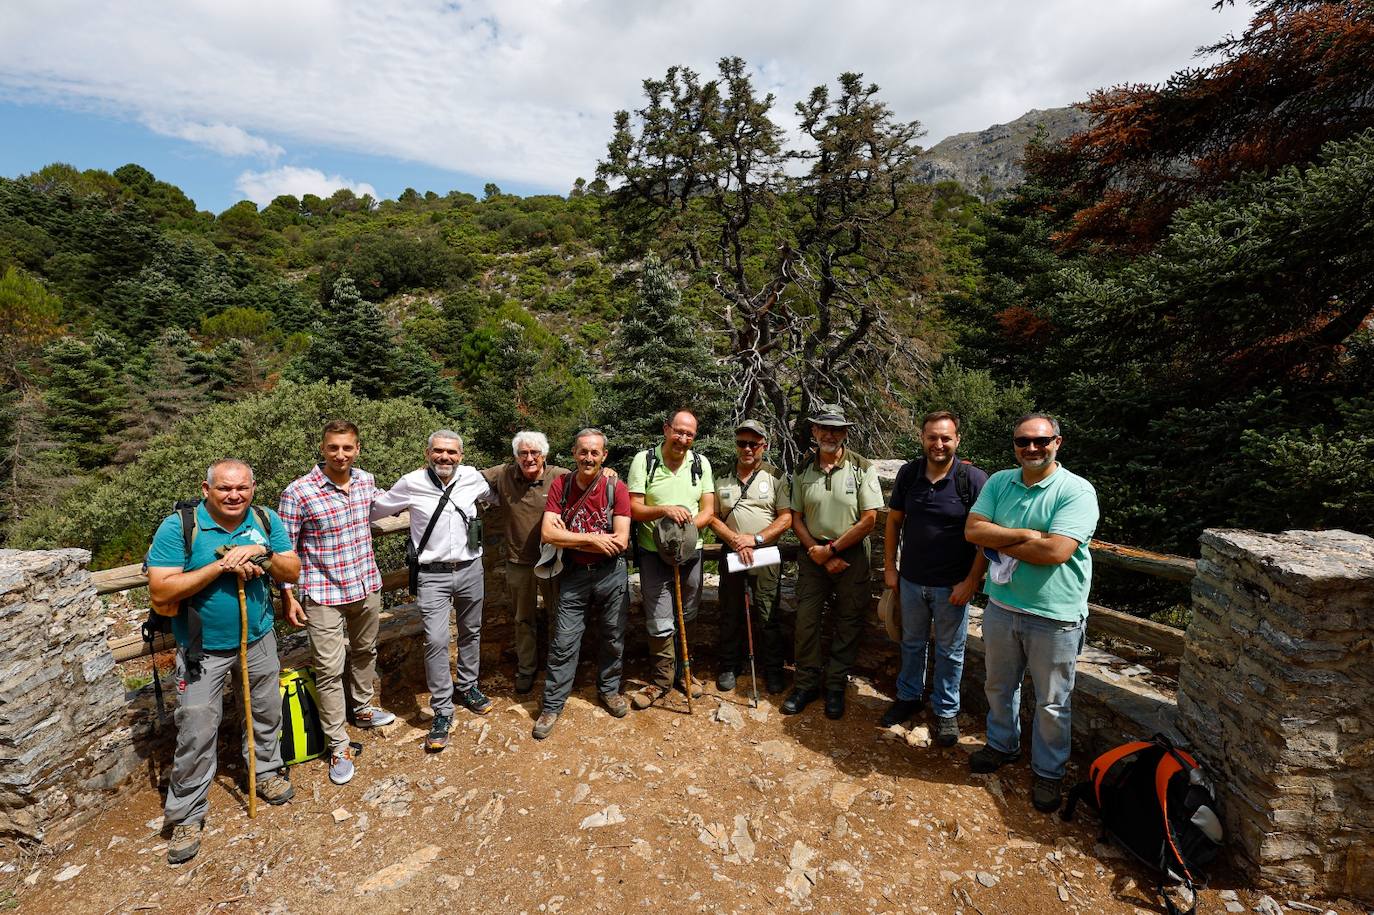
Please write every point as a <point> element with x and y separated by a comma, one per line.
<point>988,161</point>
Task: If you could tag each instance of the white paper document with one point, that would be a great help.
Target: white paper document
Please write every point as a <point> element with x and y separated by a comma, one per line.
<point>763,556</point>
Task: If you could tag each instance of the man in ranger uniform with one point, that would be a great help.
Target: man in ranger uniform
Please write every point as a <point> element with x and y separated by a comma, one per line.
<point>754,505</point>
<point>835,502</point>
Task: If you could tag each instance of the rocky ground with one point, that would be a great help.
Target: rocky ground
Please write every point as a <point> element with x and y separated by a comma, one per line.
<point>732,809</point>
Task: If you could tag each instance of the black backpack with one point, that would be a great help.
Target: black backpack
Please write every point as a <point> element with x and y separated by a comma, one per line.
<point>1155,802</point>
<point>157,624</point>
<point>963,487</point>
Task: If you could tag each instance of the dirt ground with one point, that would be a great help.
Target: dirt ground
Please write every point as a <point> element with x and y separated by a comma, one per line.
<point>660,811</point>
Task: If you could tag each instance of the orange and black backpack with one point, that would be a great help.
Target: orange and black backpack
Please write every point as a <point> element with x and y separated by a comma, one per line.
<point>1155,801</point>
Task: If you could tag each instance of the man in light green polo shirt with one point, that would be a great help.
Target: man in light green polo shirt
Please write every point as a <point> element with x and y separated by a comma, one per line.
<point>671,481</point>
<point>835,502</point>
<point>1034,522</point>
<point>754,509</point>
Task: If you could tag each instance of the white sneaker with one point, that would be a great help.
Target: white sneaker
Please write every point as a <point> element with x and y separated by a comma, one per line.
<point>370,716</point>
<point>341,766</point>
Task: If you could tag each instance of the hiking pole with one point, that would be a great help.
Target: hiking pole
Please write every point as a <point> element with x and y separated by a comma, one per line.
<point>749,632</point>
<point>247,703</point>
<point>682,633</point>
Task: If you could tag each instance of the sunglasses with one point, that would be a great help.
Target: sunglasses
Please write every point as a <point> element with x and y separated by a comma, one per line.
<point>745,443</point>
<point>1039,441</point>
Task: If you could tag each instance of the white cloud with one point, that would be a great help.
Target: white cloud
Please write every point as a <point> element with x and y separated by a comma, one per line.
<point>263,187</point>
<point>525,91</point>
<point>224,139</point>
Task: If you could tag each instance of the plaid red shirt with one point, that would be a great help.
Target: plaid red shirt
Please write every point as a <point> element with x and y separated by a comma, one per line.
<point>333,536</point>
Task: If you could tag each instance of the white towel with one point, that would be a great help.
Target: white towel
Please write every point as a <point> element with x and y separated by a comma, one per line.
<point>999,567</point>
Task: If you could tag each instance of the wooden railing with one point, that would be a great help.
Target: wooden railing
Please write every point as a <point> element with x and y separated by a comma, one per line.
<point>1168,640</point>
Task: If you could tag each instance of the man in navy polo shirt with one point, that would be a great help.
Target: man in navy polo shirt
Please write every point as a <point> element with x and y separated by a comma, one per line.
<point>940,572</point>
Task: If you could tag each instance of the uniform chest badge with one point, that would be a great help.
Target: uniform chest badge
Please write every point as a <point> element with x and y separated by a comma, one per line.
<point>849,487</point>
<point>763,487</point>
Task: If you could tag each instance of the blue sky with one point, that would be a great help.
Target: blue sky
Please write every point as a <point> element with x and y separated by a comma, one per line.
<point>256,98</point>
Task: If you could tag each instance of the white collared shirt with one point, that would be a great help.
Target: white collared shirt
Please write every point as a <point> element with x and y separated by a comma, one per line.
<point>416,492</point>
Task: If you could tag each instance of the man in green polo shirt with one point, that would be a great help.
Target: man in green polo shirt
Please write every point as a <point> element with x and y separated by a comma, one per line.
<point>671,481</point>
<point>754,505</point>
<point>835,501</point>
<point>1035,522</point>
<point>228,546</point>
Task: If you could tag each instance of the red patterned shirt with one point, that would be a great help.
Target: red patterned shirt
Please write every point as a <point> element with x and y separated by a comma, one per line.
<point>333,536</point>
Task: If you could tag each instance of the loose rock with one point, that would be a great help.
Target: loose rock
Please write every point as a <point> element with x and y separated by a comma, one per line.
<point>608,817</point>
<point>399,874</point>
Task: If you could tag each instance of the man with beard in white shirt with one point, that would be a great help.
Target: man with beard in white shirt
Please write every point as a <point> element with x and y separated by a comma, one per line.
<point>442,499</point>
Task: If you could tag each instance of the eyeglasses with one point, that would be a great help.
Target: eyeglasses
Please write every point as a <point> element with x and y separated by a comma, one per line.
<point>1039,441</point>
<point>745,443</point>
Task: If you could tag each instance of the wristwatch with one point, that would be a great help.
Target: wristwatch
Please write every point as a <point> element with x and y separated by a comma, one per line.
<point>758,540</point>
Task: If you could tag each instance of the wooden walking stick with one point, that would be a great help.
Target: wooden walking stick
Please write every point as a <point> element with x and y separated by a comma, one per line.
<point>247,703</point>
<point>749,632</point>
<point>682,637</point>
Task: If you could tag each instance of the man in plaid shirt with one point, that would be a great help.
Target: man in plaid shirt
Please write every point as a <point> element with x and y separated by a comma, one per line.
<point>326,515</point>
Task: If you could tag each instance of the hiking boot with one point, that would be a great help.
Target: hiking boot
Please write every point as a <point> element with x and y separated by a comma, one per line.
<point>341,766</point>
<point>696,687</point>
<point>185,842</point>
<point>797,700</point>
<point>370,716</point>
<point>474,700</point>
<point>725,681</point>
<point>544,726</point>
<point>615,704</point>
<point>437,738</point>
<point>275,790</point>
<point>946,730</point>
<point>774,682</point>
<point>986,759</point>
<point>900,712</point>
<point>647,696</point>
<point>524,684</point>
<point>834,704</point>
<point>1046,793</point>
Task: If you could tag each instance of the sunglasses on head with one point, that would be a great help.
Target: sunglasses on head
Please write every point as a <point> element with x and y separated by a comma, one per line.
<point>1039,441</point>
<point>745,443</point>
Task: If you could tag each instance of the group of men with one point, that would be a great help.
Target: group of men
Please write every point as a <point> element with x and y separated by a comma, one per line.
<point>569,534</point>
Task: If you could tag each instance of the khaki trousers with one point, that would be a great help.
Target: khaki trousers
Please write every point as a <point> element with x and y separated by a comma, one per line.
<point>343,640</point>
<point>527,593</point>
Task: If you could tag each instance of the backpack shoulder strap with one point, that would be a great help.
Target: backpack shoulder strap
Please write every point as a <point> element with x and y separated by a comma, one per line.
<point>650,464</point>
<point>190,527</point>
<point>264,521</point>
<point>696,468</point>
<point>962,485</point>
<point>861,462</point>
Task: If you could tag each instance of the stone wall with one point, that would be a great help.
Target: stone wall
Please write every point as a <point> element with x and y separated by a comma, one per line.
<point>1276,694</point>
<point>58,693</point>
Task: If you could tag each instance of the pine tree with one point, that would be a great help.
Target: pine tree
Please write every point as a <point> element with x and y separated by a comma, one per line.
<point>663,361</point>
<point>352,342</point>
<point>85,398</point>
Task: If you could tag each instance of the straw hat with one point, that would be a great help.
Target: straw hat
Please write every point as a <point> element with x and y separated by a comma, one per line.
<point>890,612</point>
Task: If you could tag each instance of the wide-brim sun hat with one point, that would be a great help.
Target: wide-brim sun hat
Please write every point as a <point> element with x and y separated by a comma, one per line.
<point>830,415</point>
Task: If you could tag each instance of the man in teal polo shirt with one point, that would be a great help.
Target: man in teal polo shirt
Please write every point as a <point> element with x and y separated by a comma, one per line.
<point>228,545</point>
<point>1035,523</point>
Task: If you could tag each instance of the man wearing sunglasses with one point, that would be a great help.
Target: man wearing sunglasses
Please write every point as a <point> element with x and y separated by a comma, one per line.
<point>754,506</point>
<point>1036,521</point>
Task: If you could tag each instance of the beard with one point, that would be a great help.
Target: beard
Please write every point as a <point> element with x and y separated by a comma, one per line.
<point>443,471</point>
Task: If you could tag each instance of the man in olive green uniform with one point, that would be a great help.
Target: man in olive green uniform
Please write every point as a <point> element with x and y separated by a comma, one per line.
<point>753,509</point>
<point>835,501</point>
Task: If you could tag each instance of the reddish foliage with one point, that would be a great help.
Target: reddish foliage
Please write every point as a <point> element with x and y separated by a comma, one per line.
<point>1301,75</point>
<point>1021,326</point>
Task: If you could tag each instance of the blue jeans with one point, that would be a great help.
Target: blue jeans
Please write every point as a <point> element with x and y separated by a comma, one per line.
<point>1014,643</point>
<point>924,608</point>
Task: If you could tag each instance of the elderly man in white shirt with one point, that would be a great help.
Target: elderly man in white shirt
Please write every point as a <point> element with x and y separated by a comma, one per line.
<point>442,499</point>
